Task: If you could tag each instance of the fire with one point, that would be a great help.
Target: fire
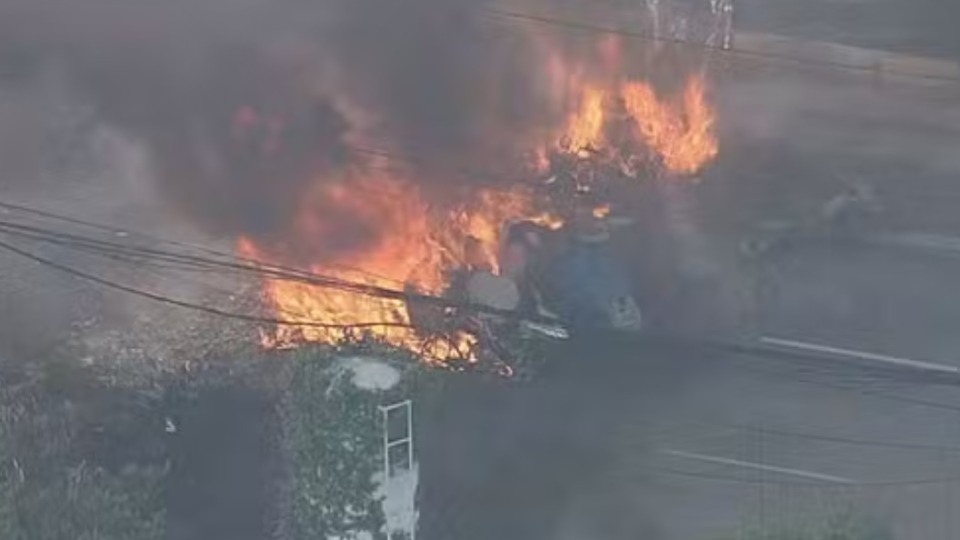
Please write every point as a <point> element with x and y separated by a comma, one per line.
<point>412,243</point>
<point>680,133</point>
<point>380,229</point>
<point>387,261</point>
<point>619,121</point>
<point>601,211</point>
<point>585,127</point>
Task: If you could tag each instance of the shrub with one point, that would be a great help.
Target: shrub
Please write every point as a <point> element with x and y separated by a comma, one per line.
<point>50,489</point>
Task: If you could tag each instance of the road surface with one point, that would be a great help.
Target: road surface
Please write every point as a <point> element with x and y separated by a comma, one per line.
<point>632,441</point>
<point>925,27</point>
<point>645,442</point>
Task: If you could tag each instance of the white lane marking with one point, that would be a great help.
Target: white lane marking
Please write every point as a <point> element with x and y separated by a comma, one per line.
<point>758,466</point>
<point>920,240</point>
<point>861,355</point>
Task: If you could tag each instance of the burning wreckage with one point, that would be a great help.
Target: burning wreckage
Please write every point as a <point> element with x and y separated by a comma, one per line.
<point>491,277</point>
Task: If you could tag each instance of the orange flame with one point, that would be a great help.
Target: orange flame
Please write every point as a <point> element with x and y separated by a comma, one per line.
<point>681,134</point>
<point>601,211</point>
<point>413,244</point>
<point>585,127</point>
<point>398,237</point>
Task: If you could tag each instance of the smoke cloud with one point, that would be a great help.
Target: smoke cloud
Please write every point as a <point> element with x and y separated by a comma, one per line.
<point>244,103</point>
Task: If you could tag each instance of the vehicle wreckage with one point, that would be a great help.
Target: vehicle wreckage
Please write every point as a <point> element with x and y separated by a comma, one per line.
<point>570,284</point>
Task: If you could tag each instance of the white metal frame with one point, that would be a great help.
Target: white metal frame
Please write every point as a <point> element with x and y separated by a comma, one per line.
<point>407,440</point>
<point>407,405</point>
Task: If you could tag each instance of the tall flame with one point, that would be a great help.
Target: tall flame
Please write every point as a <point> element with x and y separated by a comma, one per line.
<point>585,126</point>
<point>413,244</point>
<point>680,133</point>
<point>401,237</point>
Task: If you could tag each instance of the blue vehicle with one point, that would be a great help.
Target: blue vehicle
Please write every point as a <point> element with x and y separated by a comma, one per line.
<point>578,286</point>
<point>589,290</point>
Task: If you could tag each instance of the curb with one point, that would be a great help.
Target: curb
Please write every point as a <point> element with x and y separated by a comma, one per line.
<point>882,63</point>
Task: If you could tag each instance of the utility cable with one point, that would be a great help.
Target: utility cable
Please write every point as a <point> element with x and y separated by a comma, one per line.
<point>581,26</point>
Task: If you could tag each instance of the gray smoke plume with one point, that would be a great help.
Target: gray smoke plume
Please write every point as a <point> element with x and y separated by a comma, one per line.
<point>225,112</point>
<point>242,103</point>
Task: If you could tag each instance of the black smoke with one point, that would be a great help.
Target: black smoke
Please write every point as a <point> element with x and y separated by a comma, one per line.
<point>435,82</point>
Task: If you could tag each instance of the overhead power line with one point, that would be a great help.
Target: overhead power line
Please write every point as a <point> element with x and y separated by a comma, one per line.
<point>589,27</point>
<point>830,383</point>
<point>143,255</point>
<point>910,482</point>
<point>675,472</point>
<point>34,233</point>
<point>123,232</point>
<point>182,303</point>
<point>263,270</point>
<point>837,439</point>
<point>138,255</point>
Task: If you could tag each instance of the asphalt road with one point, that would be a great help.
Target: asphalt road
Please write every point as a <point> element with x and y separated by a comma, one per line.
<point>628,442</point>
<point>775,425</point>
<point>808,438</point>
<point>662,443</point>
<point>632,441</point>
<point>924,27</point>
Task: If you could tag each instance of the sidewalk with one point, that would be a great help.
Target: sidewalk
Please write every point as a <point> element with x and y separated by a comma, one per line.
<point>882,63</point>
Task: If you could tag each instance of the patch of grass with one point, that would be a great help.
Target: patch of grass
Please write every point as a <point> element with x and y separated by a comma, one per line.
<point>53,486</point>
<point>333,441</point>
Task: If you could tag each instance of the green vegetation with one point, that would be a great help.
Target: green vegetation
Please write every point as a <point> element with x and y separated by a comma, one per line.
<point>333,443</point>
<point>62,475</point>
<point>85,455</point>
